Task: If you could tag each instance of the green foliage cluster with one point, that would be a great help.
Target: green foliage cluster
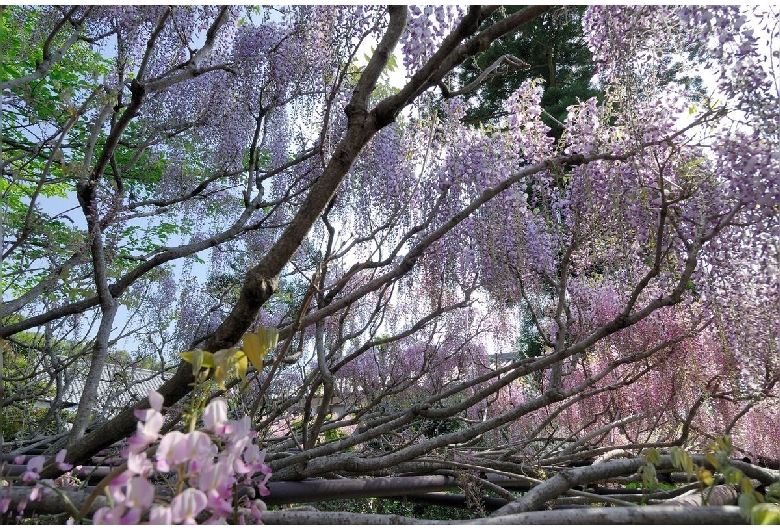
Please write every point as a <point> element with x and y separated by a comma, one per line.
<point>19,379</point>
<point>23,421</point>
<point>44,168</point>
<point>436,427</point>
<point>67,82</point>
<point>38,163</point>
<point>554,47</point>
<point>755,507</point>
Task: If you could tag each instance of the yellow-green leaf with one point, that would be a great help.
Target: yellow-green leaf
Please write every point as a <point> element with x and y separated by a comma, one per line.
<point>220,356</point>
<point>732,475</point>
<point>240,361</point>
<point>773,492</point>
<point>674,453</point>
<point>765,514</point>
<point>653,457</point>
<point>219,377</point>
<point>682,460</point>
<point>198,359</point>
<point>254,350</point>
<point>648,475</point>
<point>222,362</point>
<point>706,477</point>
<point>257,345</point>
<point>746,502</point>
<point>745,485</point>
<point>724,444</point>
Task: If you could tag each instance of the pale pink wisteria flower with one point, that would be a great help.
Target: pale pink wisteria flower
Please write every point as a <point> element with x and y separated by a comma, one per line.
<point>217,480</point>
<point>60,461</point>
<point>139,464</point>
<point>156,400</point>
<point>140,493</point>
<point>207,470</point>
<point>34,468</point>
<point>160,515</point>
<point>116,515</point>
<point>195,448</point>
<point>215,417</point>
<point>167,449</point>
<point>187,505</point>
<point>151,421</point>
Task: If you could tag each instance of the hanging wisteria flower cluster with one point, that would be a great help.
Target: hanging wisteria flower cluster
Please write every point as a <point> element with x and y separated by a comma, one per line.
<point>217,473</point>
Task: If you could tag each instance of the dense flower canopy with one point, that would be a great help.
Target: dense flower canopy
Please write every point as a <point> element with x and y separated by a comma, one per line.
<point>174,177</point>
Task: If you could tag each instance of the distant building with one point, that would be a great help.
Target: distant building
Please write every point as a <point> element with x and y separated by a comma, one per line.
<point>119,387</point>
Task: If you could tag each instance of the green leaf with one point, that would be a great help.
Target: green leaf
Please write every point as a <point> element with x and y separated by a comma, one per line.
<point>745,485</point>
<point>648,475</point>
<point>746,503</point>
<point>732,475</point>
<point>198,359</point>
<point>653,457</point>
<point>765,514</point>
<point>682,460</point>
<point>392,63</point>
<point>773,492</point>
<point>674,453</point>
<point>257,345</point>
<point>725,445</point>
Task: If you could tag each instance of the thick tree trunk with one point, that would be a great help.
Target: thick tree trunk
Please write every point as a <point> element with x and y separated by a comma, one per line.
<point>565,480</point>
<point>97,363</point>
<point>722,495</point>
<point>50,502</point>
<point>672,515</point>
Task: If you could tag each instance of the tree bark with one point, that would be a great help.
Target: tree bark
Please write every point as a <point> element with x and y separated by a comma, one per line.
<point>722,495</point>
<point>565,480</point>
<point>639,515</point>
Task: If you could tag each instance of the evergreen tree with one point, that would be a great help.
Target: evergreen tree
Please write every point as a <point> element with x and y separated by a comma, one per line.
<point>554,47</point>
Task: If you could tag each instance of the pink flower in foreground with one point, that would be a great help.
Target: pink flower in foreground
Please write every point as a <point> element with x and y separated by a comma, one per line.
<point>176,448</point>
<point>167,449</point>
<point>139,464</point>
<point>196,448</point>
<point>156,400</point>
<point>257,507</point>
<point>35,493</point>
<point>116,485</point>
<point>220,505</point>
<point>108,515</point>
<point>241,429</point>
<point>60,460</point>
<point>261,486</point>
<point>216,480</point>
<point>216,477</point>
<point>132,517</point>
<point>215,416</point>
<point>187,505</point>
<point>256,458</point>
<point>140,493</point>
<point>160,515</point>
<point>239,466</point>
<point>148,430</point>
<point>34,468</point>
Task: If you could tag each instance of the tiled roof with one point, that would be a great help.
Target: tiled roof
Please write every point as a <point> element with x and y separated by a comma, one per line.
<point>119,387</point>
